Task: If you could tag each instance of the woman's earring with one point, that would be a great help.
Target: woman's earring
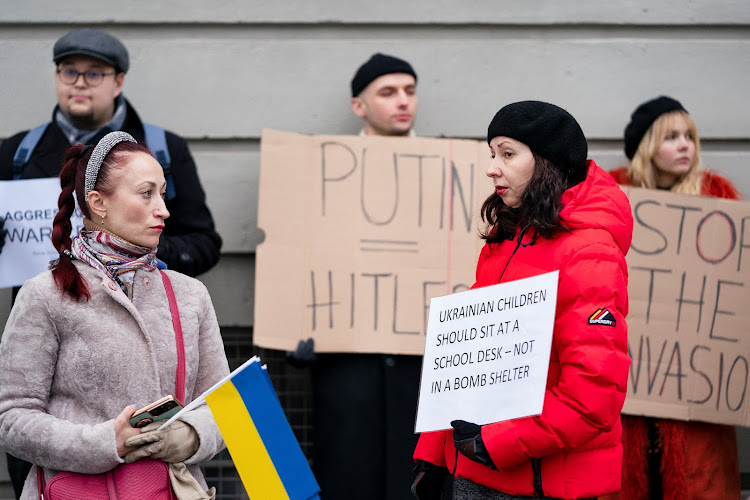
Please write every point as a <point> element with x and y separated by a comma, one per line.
<point>103,216</point>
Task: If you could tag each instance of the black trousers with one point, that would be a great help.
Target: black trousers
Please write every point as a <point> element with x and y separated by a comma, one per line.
<point>465,489</point>
<point>17,470</point>
<point>365,409</point>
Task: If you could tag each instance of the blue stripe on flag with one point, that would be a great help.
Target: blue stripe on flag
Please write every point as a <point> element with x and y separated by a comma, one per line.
<point>255,386</point>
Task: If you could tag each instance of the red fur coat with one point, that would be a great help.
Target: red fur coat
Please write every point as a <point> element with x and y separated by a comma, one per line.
<point>699,460</point>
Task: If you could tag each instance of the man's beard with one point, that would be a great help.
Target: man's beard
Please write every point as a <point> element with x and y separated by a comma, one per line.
<point>84,121</point>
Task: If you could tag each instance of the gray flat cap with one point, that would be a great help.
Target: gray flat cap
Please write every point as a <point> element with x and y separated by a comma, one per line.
<point>95,43</point>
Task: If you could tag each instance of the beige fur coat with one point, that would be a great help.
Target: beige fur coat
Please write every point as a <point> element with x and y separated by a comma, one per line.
<point>68,369</point>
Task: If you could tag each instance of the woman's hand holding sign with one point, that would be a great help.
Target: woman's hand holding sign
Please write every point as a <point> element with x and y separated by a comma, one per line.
<point>468,440</point>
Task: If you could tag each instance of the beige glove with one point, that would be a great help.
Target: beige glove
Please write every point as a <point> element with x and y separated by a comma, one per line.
<point>185,486</point>
<point>175,443</point>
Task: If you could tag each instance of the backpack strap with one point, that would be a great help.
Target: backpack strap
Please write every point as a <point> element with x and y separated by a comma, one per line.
<point>156,140</point>
<point>26,149</point>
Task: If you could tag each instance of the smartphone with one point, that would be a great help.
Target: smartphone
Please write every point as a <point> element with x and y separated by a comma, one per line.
<point>162,409</point>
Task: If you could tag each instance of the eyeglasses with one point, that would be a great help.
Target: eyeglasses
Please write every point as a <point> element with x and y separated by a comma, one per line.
<point>92,77</point>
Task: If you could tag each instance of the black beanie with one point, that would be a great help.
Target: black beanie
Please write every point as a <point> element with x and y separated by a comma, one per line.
<point>379,65</point>
<point>547,130</point>
<point>642,119</point>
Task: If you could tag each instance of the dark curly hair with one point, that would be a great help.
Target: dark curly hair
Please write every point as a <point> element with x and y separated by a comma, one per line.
<point>540,205</point>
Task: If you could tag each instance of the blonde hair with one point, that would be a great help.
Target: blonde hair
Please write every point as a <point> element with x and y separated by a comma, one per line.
<point>642,170</point>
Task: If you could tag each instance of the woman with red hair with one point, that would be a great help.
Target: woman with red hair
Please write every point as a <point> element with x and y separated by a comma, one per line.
<point>95,335</point>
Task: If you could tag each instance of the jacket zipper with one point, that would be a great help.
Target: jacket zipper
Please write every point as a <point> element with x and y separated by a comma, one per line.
<point>536,463</point>
<point>519,245</point>
<point>536,467</point>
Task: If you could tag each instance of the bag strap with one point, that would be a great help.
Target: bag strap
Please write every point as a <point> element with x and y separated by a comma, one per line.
<point>40,482</point>
<point>180,377</point>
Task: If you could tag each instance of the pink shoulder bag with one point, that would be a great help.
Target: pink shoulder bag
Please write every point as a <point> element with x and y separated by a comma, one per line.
<point>137,481</point>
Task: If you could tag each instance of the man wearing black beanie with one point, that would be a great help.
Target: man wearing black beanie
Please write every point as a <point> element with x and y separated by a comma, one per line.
<point>365,404</point>
<point>384,95</point>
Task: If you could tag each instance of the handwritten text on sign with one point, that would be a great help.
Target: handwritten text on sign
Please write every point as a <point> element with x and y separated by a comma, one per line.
<point>28,208</point>
<point>365,230</point>
<point>487,353</point>
<point>689,293</point>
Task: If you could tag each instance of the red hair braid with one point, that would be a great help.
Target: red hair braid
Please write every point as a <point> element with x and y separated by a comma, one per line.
<point>72,177</point>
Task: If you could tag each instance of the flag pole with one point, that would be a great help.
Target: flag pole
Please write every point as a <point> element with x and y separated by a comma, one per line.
<point>200,399</point>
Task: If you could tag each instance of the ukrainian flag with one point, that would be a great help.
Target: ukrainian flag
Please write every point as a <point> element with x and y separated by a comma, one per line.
<point>259,438</point>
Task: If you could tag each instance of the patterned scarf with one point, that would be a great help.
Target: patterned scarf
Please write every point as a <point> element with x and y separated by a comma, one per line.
<point>115,257</point>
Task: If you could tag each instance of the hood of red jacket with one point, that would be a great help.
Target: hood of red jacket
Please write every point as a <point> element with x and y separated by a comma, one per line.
<point>599,203</point>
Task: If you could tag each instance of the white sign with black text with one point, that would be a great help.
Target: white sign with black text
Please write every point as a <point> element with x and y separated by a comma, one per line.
<point>29,208</point>
<point>487,353</point>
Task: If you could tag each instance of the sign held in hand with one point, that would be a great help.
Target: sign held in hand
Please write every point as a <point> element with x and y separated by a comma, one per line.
<point>487,353</point>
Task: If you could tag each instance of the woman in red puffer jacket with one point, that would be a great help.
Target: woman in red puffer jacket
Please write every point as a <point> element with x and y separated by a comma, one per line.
<point>552,210</point>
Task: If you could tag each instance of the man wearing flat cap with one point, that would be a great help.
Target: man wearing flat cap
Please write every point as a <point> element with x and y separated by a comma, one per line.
<point>90,68</point>
<point>365,404</point>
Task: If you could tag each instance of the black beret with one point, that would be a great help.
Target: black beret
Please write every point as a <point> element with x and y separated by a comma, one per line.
<point>95,43</point>
<point>642,119</point>
<point>379,65</point>
<point>547,130</point>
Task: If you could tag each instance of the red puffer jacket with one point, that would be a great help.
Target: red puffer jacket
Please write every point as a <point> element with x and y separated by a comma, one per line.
<point>698,459</point>
<point>571,450</point>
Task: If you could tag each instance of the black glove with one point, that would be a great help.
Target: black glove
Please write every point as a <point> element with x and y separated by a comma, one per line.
<point>428,481</point>
<point>3,232</point>
<point>468,440</point>
<point>304,355</point>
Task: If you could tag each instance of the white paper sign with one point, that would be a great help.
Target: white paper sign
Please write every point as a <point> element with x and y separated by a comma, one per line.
<point>29,208</point>
<point>487,353</point>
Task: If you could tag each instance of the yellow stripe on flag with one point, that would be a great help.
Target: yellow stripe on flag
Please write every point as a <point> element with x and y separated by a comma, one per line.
<point>245,445</point>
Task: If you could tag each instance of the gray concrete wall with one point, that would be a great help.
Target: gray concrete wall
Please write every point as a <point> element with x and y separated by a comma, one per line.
<point>219,72</point>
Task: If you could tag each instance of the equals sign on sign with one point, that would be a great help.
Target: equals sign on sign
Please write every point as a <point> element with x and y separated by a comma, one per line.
<point>388,246</point>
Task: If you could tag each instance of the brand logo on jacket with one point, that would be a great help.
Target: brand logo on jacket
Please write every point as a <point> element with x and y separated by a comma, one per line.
<point>602,317</point>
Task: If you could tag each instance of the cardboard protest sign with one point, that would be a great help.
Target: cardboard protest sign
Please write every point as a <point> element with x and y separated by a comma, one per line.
<point>360,233</point>
<point>490,344</point>
<point>28,208</point>
<point>689,292</point>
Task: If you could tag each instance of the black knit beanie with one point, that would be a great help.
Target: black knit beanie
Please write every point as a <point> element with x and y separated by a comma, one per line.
<point>379,65</point>
<point>547,130</point>
<point>642,119</point>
